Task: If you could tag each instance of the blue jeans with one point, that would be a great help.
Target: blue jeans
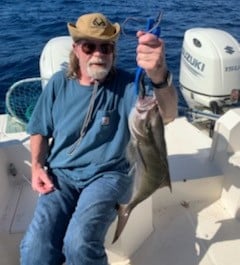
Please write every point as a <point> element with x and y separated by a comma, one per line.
<point>70,224</point>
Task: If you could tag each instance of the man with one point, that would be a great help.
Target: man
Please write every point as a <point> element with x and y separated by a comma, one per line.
<point>82,173</point>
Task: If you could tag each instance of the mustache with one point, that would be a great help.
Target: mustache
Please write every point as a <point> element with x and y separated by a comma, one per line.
<point>96,61</point>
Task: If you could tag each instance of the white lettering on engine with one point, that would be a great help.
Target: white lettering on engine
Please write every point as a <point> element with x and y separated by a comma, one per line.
<point>193,61</point>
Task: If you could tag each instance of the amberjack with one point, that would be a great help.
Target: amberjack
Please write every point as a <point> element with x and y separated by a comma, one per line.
<point>147,153</point>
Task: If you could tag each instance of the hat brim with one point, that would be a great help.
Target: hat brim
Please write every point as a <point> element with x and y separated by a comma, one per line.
<point>77,35</point>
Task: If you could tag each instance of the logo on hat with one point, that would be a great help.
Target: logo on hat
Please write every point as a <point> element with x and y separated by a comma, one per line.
<point>99,22</point>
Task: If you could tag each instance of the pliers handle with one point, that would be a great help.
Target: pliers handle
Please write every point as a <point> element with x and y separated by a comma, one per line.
<point>152,26</point>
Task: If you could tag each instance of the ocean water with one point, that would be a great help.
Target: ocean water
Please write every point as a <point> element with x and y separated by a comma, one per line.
<point>27,25</point>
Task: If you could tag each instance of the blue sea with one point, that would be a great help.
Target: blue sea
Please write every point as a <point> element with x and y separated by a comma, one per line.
<point>27,25</point>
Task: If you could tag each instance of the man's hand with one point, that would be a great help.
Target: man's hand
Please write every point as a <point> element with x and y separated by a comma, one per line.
<point>41,182</point>
<point>151,56</point>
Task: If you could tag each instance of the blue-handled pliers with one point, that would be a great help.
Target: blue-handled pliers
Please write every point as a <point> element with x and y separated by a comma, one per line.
<point>152,26</point>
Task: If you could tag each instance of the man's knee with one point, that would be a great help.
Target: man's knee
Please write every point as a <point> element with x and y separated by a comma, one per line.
<point>84,247</point>
<point>31,249</point>
<point>36,249</point>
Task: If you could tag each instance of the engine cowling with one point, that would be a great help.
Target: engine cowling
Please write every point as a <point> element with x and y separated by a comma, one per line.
<point>209,68</point>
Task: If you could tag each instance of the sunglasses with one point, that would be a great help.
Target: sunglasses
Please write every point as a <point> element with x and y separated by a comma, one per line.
<point>91,47</point>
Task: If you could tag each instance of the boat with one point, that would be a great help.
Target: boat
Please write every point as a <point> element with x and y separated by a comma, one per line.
<point>198,223</point>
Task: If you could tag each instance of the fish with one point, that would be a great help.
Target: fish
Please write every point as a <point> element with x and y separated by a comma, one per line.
<point>147,155</point>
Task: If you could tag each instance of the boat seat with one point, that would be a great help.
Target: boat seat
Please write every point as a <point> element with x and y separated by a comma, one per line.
<point>54,57</point>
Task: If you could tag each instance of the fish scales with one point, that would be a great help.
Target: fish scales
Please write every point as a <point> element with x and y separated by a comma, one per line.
<point>147,152</point>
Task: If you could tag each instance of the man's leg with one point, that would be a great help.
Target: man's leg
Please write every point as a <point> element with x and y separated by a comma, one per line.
<point>43,241</point>
<point>84,240</point>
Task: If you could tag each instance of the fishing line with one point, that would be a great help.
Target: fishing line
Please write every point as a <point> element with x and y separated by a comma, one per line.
<point>131,25</point>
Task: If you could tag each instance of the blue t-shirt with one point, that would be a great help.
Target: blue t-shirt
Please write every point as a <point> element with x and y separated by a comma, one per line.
<point>60,113</point>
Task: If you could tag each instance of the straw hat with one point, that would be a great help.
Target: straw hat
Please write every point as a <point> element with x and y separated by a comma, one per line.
<point>94,26</point>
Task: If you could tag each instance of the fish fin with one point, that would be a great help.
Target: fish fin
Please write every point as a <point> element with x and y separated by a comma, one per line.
<point>140,155</point>
<point>163,160</point>
<point>159,144</point>
<point>123,215</point>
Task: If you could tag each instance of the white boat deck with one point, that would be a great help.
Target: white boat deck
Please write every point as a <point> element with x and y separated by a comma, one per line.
<point>203,233</point>
<point>193,225</point>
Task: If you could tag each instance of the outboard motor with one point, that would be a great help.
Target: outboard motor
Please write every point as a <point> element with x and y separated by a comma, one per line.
<point>209,69</point>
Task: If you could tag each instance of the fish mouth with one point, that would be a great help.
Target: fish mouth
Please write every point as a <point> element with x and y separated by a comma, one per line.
<point>146,103</point>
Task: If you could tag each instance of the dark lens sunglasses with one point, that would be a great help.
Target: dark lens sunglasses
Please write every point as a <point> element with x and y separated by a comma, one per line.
<point>90,47</point>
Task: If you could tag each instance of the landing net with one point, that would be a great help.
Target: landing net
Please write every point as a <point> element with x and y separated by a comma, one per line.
<point>22,97</point>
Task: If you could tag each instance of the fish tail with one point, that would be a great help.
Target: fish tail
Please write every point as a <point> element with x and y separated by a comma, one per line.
<point>123,215</point>
<point>170,184</point>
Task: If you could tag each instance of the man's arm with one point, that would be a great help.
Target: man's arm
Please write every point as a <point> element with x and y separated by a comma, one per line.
<point>168,103</point>
<point>151,57</point>
<point>41,182</point>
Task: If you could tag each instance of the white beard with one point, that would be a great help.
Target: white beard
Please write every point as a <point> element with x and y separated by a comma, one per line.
<point>98,72</point>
